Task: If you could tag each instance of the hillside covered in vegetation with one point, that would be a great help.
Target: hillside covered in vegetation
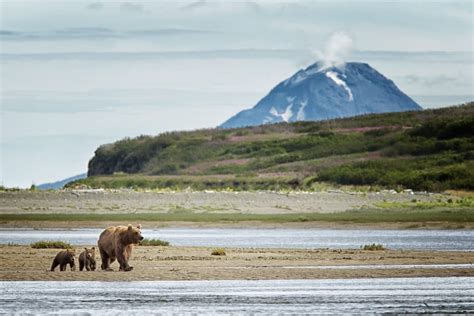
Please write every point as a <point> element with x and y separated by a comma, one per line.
<point>422,150</point>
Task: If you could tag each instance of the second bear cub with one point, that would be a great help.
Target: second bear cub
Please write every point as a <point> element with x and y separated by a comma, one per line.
<point>87,259</point>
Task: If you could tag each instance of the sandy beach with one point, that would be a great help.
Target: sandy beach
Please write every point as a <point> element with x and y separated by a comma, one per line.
<point>128,201</point>
<point>197,263</point>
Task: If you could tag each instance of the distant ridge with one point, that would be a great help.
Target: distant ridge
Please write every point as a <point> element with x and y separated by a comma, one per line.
<point>60,184</point>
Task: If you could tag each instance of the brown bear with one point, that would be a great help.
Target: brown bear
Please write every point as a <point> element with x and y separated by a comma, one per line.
<point>63,258</point>
<point>116,242</point>
<point>87,259</point>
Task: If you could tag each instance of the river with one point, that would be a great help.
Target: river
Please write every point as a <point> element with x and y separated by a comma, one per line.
<point>420,239</point>
<point>354,296</point>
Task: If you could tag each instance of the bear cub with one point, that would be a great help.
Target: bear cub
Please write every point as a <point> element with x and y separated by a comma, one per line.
<point>63,258</point>
<point>87,260</point>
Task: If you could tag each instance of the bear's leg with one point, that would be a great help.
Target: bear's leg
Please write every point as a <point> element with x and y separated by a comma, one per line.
<point>81,265</point>
<point>105,260</point>
<point>72,265</point>
<point>128,252</point>
<point>122,259</point>
<point>62,267</point>
<point>112,260</point>
<point>88,265</point>
<point>54,265</point>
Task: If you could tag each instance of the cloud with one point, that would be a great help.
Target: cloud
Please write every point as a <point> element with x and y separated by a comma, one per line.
<point>195,5</point>
<point>160,32</point>
<point>337,49</point>
<point>95,6</point>
<point>256,7</point>
<point>8,33</point>
<point>287,54</point>
<point>61,34</point>
<point>82,32</point>
<point>438,80</point>
<point>224,7</point>
<point>132,7</point>
<point>420,56</point>
<point>93,33</point>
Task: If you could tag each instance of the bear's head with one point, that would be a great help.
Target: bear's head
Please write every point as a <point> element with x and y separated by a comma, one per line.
<point>71,253</point>
<point>90,253</point>
<point>134,234</point>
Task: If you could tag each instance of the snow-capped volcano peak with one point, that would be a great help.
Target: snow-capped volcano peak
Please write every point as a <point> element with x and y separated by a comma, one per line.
<point>333,75</point>
<point>319,92</point>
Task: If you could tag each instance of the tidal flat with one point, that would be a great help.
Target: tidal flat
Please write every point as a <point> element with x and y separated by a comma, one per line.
<point>22,263</point>
<point>96,208</point>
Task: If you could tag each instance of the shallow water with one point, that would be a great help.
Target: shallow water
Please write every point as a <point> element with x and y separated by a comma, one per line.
<point>355,296</point>
<point>269,238</point>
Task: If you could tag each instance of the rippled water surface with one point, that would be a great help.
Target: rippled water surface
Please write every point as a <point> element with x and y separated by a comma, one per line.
<point>272,238</point>
<point>400,295</point>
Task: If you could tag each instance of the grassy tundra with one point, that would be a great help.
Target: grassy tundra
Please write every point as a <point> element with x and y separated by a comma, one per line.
<point>460,216</point>
<point>429,150</point>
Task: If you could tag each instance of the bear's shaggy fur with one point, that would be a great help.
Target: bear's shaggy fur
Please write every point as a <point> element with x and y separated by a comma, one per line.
<point>63,258</point>
<point>87,259</point>
<point>116,242</point>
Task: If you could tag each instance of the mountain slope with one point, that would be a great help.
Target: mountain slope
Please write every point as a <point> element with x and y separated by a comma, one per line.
<point>318,93</point>
<point>423,150</point>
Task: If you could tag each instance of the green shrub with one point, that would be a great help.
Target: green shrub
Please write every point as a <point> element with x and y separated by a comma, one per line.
<point>154,242</point>
<point>218,252</point>
<point>373,247</point>
<point>302,219</point>
<point>417,174</point>
<point>47,244</point>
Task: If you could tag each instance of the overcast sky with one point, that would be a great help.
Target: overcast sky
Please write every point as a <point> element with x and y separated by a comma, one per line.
<point>77,74</point>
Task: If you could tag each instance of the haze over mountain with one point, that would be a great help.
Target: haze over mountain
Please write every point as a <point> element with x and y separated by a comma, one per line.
<point>320,92</point>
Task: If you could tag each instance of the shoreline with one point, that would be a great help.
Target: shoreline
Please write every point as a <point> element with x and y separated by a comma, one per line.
<point>22,263</point>
<point>69,209</point>
<point>39,225</point>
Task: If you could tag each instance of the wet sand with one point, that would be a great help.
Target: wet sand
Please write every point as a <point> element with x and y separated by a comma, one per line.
<point>197,263</point>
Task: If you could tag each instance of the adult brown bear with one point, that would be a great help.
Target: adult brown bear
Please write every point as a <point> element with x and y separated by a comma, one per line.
<point>116,242</point>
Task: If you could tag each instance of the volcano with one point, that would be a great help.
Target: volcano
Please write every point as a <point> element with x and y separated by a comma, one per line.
<point>320,93</point>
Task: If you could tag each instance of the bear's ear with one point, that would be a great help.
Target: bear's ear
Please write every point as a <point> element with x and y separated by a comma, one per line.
<point>130,227</point>
<point>139,226</point>
<point>93,248</point>
<point>85,249</point>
